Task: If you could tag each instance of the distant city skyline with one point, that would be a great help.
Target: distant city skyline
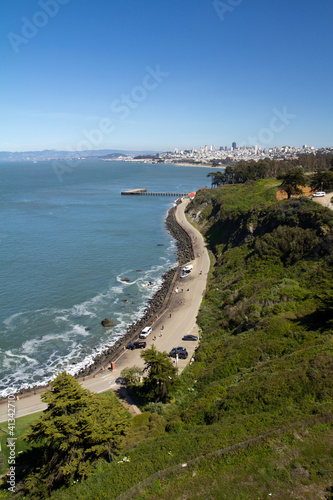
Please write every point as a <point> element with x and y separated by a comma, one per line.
<point>155,76</point>
<point>204,155</point>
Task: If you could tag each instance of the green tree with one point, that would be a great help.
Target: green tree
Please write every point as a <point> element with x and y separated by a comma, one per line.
<point>162,374</point>
<point>322,181</point>
<point>292,180</point>
<point>132,374</point>
<point>77,429</point>
<point>217,178</point>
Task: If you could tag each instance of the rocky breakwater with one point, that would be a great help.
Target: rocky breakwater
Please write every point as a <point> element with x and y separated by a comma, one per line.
<point>184,243</point>
<point>157,304</point>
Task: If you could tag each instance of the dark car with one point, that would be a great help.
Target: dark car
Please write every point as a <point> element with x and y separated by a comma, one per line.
<point>181,351</point>
<point>138,344</point>
<point>190,337</point>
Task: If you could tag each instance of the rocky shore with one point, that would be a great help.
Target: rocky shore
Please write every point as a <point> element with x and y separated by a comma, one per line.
<point>156,305</point>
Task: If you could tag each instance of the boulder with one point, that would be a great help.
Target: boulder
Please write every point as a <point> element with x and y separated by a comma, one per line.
<point>107,322</point>
<point>125,279</point>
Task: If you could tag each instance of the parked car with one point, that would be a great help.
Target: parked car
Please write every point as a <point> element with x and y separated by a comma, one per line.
<point>145,332</point>
<point>319,193</point>
<point>180,351</point>
<point>138,344</point>
<point>190,337</point>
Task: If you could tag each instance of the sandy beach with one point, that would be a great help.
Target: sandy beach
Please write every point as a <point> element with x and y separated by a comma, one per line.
<point>177,320</point>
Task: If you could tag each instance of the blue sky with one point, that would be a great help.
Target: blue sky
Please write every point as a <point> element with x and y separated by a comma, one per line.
<point>160,74</point>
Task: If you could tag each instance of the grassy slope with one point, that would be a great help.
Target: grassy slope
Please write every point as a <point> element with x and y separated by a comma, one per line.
<point>21,425</point>
<point>264,362</point>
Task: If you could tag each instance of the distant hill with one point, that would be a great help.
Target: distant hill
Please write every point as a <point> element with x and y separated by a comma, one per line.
<point>112,156</point>
<point>53,154</point>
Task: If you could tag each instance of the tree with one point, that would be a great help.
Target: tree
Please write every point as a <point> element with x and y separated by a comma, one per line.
<point>132,374</point>
<point>77,429</point>
<point>322,181</point>
<point>162,374</point>
<point>292,180</point>
<point>217,178</point>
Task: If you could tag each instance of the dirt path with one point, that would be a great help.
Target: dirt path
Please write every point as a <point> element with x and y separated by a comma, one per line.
<point>178,320</point>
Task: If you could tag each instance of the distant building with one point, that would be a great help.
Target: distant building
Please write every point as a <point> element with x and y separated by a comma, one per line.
<point>233,145</point>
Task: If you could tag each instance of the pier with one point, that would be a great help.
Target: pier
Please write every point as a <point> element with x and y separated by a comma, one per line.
<point>144,192</point>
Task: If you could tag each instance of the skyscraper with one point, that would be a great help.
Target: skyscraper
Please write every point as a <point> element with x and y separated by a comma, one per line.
<point>234,145</point>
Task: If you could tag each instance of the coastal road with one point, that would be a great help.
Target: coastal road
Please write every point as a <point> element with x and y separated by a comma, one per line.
<point>178,320</point>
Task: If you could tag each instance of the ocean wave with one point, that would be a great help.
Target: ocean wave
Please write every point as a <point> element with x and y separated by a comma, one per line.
<point>120,278</point>
<point>82,309</point>
<point>8,321</point>
<point>21,356</point>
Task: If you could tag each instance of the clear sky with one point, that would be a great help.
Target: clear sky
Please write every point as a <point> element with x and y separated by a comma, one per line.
<point>160,74</point>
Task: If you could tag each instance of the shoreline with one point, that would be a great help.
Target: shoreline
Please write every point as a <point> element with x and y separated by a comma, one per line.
<point>168,163</point>
<point>155,307</point>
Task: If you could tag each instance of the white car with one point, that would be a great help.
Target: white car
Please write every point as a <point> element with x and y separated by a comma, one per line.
<point>145,332</point>
<point>319,193</point>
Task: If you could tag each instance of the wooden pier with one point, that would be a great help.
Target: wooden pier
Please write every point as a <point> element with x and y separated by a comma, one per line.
<point>144,192</point>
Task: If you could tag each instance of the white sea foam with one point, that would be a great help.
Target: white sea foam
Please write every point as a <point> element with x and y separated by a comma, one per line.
<point>21,356</point>
<point>8,321</point>
<point>82,310</point>
<point>58,319</point>
<point>121,277</point>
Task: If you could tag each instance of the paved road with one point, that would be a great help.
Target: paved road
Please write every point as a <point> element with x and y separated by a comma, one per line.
<point>325,200</point>
<point>184,306</point>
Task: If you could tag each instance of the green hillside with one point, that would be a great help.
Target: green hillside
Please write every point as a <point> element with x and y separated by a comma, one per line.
<point>252,417</point>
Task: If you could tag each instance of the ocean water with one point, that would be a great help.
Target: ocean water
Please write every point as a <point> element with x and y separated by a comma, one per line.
<point>65,246</point>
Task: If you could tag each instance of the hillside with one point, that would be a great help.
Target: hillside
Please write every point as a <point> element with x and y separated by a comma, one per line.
<point>256,406</point>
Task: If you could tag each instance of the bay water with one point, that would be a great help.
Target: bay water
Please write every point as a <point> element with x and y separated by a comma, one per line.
<point>66,244</point>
